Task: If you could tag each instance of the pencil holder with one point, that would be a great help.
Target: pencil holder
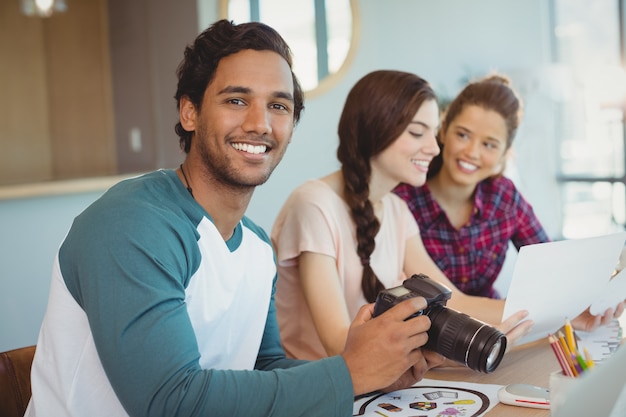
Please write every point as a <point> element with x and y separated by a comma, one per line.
<point>559,385</point>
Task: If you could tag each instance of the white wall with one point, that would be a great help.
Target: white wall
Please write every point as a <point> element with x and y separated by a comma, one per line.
<point>31,231</point>
<point>444,41</point>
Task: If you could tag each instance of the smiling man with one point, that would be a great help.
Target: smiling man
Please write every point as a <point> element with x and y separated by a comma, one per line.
<point>240,133</point>
<point>162,294</point>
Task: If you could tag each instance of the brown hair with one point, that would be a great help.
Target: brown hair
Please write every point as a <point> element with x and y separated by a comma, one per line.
<point>494,92</point>
<point>377,110</point>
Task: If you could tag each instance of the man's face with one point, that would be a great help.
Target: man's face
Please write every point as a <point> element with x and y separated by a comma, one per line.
<point>246,120</point>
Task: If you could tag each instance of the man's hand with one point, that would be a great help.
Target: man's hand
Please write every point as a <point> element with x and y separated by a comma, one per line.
<point>380,351</point>
<point>416,372</point>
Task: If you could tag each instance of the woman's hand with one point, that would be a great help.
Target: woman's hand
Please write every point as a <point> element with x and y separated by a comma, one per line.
<point>515,327</point>
<point>587,322</point>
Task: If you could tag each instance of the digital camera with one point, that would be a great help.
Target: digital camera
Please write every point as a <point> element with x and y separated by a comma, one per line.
<point>452,334</point>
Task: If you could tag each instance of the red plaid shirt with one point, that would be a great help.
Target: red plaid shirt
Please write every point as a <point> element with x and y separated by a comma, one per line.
<point>472,257</point>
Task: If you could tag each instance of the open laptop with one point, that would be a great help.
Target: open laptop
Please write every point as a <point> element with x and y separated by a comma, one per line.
<point>600,392</point>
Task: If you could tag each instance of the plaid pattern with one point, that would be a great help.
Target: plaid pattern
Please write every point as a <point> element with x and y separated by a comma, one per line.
<point>472,257</point>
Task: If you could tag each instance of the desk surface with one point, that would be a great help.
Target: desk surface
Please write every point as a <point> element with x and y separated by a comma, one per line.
<point>528,364</point>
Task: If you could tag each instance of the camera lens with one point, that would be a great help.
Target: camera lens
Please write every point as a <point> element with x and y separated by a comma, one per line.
<point>494,356</point>
<point>461,338</point>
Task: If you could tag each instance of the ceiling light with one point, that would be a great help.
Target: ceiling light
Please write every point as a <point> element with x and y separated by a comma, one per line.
<point>42,8</point>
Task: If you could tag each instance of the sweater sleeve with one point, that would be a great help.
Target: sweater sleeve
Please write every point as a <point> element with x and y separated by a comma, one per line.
<point>134,299</point>
<point>298,387</point>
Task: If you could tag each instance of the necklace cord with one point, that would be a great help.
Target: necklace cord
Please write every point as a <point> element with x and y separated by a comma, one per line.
<point>186,180</point>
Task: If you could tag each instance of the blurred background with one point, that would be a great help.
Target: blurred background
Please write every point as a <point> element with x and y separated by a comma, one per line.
<point>88,85</point>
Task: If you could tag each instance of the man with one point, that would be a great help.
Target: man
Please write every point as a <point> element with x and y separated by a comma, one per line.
<point>162,296</point>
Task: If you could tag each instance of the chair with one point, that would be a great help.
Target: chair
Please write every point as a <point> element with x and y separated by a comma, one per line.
<point>15,388</point>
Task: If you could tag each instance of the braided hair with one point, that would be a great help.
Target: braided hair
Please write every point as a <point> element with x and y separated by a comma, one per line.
<point>377,110</point>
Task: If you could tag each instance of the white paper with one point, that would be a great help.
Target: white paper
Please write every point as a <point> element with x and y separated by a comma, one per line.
<point>614,293</point>
<point>602,342</point>
<point>556,281</point>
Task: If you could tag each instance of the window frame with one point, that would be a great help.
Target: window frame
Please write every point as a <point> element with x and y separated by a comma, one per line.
<point>326,80</point>
<point>563,179</point>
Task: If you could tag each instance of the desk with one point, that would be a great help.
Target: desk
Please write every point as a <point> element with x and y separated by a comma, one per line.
<point>531,363</point>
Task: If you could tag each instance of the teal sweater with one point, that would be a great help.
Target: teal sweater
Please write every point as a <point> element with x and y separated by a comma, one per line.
<point>153,278</point>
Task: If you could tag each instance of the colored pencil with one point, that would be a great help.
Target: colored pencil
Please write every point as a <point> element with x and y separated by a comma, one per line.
<point>567,353</point>
<point>569,333</point>
<point>560,356</point>
<point>590,362</point>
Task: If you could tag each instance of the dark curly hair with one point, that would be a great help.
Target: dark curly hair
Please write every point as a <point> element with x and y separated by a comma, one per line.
<point>221,39</point>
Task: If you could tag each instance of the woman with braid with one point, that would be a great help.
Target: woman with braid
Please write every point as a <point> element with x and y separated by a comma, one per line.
<point>340,239</point>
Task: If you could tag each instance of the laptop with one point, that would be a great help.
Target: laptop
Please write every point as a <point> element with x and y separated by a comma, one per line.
<point>600,392</point>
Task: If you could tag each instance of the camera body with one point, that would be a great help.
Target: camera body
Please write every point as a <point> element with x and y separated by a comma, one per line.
<point>452,334</point>
<point>419,285</point>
